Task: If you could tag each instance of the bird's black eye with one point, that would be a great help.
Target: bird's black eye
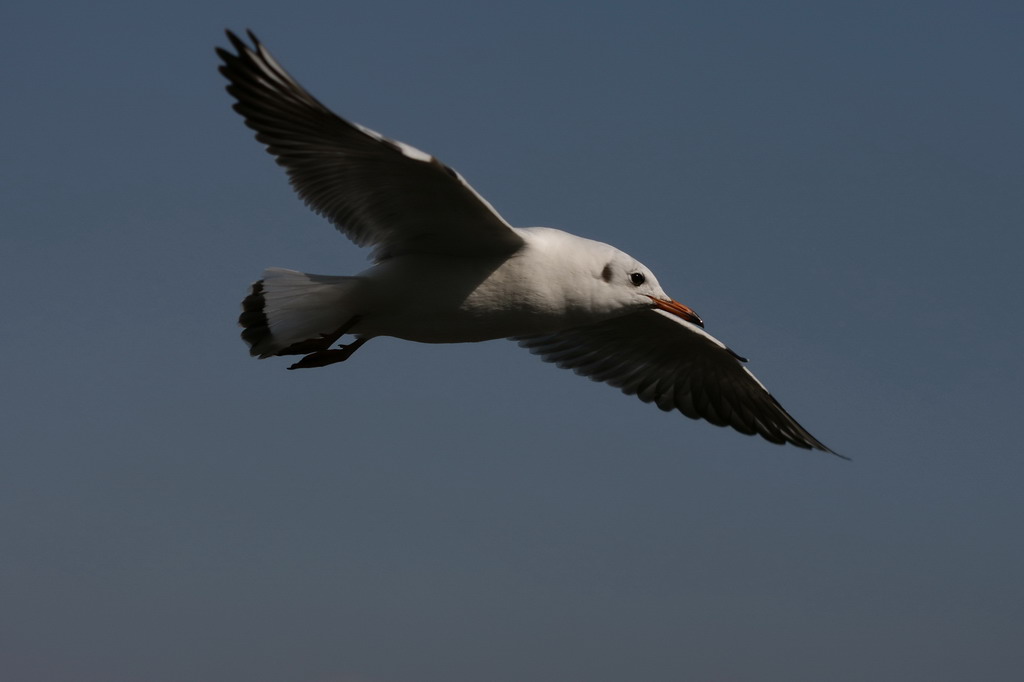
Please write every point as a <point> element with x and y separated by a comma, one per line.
<point>637,278</point>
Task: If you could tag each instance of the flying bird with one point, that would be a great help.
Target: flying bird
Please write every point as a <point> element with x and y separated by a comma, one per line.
<point>447,268</point>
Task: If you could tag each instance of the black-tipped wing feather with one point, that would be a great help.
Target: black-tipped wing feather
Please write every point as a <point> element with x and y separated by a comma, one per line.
<point>675,365</point>
<point>380,193</point>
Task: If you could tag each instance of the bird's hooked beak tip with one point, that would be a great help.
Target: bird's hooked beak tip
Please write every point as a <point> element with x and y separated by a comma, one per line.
<point>677,309</point>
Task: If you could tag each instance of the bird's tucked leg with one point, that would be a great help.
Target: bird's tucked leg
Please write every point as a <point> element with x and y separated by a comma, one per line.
<point>322,358</point>
<point>329,356</point>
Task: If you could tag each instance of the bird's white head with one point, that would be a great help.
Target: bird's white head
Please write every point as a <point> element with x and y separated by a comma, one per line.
<point>633,284</point>
<point>587,280</point>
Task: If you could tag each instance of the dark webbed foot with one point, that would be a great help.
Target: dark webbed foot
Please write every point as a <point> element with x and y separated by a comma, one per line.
<point>322,358</point>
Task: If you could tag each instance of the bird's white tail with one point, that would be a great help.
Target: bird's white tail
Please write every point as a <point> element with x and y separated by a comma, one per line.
<point>294,313</point>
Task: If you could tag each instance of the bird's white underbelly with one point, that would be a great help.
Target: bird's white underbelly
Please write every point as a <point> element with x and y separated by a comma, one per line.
<point>452,300</point>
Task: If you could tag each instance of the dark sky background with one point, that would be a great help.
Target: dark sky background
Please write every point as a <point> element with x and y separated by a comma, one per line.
<point>836,187</point>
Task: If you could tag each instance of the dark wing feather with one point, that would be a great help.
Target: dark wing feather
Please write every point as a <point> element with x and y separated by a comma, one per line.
<point>379,192</point>
<point>676,365</point>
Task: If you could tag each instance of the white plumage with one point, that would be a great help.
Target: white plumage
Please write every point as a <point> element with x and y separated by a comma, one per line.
<point>447,269</point>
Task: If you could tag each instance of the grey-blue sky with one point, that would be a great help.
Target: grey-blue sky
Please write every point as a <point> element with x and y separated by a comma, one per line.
<point>834,187</point>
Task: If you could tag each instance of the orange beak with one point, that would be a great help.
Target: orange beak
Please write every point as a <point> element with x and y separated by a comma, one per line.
<point>678,309</point>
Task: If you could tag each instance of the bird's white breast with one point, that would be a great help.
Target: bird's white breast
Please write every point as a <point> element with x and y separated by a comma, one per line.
<point>552,283</point>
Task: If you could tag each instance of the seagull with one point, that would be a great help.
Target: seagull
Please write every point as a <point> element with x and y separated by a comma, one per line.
<point>447,268</point>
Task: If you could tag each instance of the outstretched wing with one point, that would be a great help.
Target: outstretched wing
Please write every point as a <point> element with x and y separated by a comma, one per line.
<point>379,192</point>
<point>665,360</point>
